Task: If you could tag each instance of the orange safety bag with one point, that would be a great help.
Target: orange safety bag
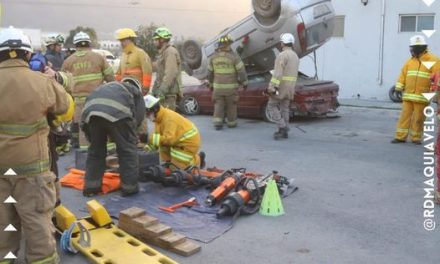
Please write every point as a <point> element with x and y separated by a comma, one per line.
<point>75,179</point>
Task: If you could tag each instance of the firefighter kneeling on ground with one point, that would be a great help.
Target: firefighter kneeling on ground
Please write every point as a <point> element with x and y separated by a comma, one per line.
<point>27,97</point>
<point>176,138</point>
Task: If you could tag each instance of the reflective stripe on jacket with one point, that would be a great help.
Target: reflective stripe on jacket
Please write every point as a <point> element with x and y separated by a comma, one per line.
<point>285,73</point>
<point>415,78</point>
<point>27,97</point>
<point>226,70</point>
<point>173,130</point>
<point>135,63</point>
<point>169,77</point>
<point>89,70</point>
<point>114,101</point>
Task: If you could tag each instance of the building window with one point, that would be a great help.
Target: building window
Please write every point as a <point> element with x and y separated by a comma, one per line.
<point>338,32</point>
<point>416,23</point>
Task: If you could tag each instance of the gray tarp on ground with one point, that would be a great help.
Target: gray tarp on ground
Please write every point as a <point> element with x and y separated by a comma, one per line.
<point>199,224</point>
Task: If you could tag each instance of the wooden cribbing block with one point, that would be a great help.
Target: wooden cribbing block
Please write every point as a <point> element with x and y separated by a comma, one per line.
<point>145,227</point>
<point>130,213</point>
<point>144,221</point>
<point>186,248</point>
<point>170,240</point>
<point>154,231</point>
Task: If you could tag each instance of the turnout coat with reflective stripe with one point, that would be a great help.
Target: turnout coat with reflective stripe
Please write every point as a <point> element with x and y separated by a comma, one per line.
<point>169,77</point>
<point>285,73</point>
<point>415,77</point>
<point>114,101</point>
<point>135,63</point>
<point>226,70</point>
<point>26,99</point>
<point>89,70</point>
<point>175,131</point>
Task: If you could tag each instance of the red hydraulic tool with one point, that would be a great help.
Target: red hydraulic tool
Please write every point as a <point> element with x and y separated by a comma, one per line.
<point>188,203</point>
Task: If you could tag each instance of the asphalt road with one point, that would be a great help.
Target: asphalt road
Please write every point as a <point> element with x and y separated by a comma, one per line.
<point>360,198</point>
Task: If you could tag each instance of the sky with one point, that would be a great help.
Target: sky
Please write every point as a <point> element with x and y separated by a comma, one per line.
<point>185,18</point>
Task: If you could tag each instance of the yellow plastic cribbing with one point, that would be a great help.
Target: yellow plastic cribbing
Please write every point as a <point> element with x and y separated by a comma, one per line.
<point>64,218</point>
<point>98,213</point>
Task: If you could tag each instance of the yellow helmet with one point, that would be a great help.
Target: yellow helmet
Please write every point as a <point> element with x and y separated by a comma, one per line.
<point>68,116</point>
<point>124,33</point>
<point>225,40</point>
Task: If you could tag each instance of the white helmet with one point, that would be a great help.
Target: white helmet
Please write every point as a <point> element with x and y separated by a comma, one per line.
<point>287,38</point>
<point>80,37</point>
<point>12,38</point>
<point>150,101</point>
<point>417,40</point>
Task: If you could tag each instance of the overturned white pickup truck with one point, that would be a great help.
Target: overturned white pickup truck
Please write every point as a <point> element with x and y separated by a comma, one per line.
<point>256,36</point>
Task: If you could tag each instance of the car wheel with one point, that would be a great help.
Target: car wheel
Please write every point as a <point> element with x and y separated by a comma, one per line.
<point>189,106</point>
<point>267,115</point>
<point>192,54</point>
<point>267,8</point>
<point>394,96</point>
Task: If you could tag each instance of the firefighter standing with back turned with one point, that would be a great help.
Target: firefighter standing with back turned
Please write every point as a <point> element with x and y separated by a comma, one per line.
<point>89,70</point>
<point>281,88</point>
<point>113,110</point>
<point>413,81</point>
<point>135,62</point>
<point>24,144</point>
<point>168,82</point>
<point>226,72</point>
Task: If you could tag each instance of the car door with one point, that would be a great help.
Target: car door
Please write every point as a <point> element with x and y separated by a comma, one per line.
<point>252,100</point>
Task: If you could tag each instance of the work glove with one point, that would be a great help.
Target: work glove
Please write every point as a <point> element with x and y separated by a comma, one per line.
<point>149,148</point>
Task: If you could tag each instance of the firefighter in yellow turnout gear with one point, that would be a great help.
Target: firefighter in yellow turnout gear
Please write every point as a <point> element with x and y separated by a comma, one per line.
<point>89,70</point>
<point>135,62</point>
<point>226,73</point>
<point>177,139</point>
<point>413,81</point>
<point>27,98</point>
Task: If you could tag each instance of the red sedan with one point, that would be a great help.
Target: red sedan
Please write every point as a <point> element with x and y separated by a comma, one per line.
<point>312,98</point>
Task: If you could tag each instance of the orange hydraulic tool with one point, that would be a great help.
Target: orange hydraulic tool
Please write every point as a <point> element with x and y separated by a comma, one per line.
<point>229,183</point>
<point>188,203</point>
<point>234,202</point>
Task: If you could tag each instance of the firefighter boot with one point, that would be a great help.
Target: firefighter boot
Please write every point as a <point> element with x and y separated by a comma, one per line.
<point>281,133</point>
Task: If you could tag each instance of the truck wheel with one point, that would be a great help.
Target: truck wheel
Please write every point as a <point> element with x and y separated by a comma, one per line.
<point>192,54</point>
<point>267,8</point>
<point>394,96</point>
<point>189,106</point>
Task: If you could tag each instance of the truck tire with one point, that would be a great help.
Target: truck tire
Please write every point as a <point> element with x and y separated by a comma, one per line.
<point>192,54</point>
<point>267,8</point>
<point>394,96</point>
